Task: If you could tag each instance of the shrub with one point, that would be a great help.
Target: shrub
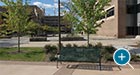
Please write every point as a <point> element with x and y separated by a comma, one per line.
<point>106,51</point>
<point>110,49</point>
<point>51,51</point>
<point>135,57</point>
<point>72,38</point>
<point>99,45</point>
<point>61,45</point>
<point>3,37</point>
<point>90,45</point>
<point>68,45</point>
<point>47,49</point>
<point>74,45</point>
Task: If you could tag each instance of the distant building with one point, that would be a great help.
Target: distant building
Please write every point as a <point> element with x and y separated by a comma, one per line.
<point>52,21</point>
<point>122,20</point>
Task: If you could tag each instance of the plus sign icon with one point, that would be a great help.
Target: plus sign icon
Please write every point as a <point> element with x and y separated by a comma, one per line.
<point>121,57</point>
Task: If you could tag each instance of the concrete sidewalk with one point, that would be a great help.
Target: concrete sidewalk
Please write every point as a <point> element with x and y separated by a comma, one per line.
<point>32,68</point>
<point>12,69</point>
<point>125,71</point>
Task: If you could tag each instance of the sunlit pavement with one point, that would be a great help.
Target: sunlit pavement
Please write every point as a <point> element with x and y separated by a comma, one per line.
<point>54,40</point>
<point>19,68</point>
<point>27,69</point>
<point>125,71</point>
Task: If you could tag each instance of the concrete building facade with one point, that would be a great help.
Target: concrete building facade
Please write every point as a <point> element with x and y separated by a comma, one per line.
<point>52,21</point>
<point>122,19</point>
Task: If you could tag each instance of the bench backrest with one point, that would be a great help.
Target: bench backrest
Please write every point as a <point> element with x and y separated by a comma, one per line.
<point>80,54</point>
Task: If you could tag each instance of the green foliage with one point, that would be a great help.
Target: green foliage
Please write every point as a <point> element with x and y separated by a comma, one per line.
<point>99,45</point>
<point>106,51</point>
<point>74,45</point>
<point>84,15</point>
<point>68,45</point>
<point>49,28</point>
<point>16,17</point>
<point>135,57</point>
<point>32,28</point>
<point>51,51</point>
<point>27,54</point>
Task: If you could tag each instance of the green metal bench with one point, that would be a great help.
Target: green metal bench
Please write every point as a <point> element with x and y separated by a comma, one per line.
<point>80,54</point>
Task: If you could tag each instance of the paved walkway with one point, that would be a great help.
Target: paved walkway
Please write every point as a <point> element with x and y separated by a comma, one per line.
<point>32,68</point>
<point>94,72</point>
<point>27,70</point>
<point>93,40</point>
<point>115,42</point>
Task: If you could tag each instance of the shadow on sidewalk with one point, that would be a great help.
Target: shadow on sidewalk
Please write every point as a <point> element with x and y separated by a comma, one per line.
<point>93,67</point>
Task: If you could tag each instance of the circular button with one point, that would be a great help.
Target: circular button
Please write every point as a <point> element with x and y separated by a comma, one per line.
<point>121,56</point>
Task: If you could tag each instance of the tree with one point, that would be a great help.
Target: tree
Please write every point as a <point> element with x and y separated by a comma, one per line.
<point>32,28</point>
<point>16,16</point>
<point>69,15</point>
<point>86,13</point>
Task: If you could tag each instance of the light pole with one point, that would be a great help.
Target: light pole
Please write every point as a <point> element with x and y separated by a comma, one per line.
<point>59,27</point>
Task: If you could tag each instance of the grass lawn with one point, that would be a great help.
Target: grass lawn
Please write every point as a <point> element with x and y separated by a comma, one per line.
<point>27,54</point>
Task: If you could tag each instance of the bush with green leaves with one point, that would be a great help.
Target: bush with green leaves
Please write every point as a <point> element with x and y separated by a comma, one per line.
<point>106,51</point>
<point>69,45</point>
<point>135,57</point>
<point>51,51</point>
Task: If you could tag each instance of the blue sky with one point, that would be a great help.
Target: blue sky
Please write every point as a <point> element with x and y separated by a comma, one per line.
<point>50,6</point>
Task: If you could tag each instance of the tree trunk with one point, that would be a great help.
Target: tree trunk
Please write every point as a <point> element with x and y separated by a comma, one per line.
<point>18,42</point>
<point>19,32</point>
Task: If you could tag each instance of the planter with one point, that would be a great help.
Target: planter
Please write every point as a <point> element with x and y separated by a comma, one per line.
<point>38,39</point>
<point>5,37</point>
<point>72,39</point>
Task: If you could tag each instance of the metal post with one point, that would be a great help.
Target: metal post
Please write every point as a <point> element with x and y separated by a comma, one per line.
<point>100,62</point>
<point>59,26</point>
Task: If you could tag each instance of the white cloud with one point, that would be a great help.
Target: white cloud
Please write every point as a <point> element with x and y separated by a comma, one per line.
<point>55,5</point>
<point>61,0</point>
<point>43,5</point>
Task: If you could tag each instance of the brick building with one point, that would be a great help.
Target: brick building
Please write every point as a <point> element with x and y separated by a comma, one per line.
<point>122,19</point>
<point>52,21</point>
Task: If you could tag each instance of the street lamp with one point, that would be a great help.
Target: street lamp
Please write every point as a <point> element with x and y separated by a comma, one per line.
<point>59,26</point>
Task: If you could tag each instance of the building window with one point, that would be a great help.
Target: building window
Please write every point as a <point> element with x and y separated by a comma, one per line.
<point>110,12</point>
